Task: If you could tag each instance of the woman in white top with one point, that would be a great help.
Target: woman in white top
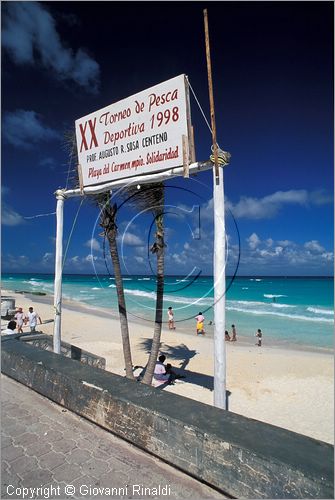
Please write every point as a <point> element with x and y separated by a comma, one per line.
<point>20,319</point>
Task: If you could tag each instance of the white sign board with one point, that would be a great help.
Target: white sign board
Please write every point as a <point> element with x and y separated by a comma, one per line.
<point>138,135</point>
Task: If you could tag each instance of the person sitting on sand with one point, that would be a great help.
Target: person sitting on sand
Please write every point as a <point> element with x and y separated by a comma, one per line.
<point>20,319</point>
<point>200,324</point>
<point>10,328</point>
<point>164,374</point>
<point>226,336</point>
<point>171,319</point>
<point>160,374</point>
<point>259,335</point>
<point>233,334</point>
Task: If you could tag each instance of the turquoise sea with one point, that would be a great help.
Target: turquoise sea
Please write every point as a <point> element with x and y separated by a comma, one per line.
<point>297,311</point>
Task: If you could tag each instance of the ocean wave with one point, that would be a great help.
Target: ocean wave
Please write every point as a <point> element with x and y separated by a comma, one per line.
<point>245,288</point>
<point>280,306</point>
<point>33,282</point>
<point>260,312</point>
<point>316,310</point>
<point>95,288</point>
<point>143,279</point>
<point>112,286</point>
<point>140,293</point>
<point>272,296</point>
<point>171,298</point>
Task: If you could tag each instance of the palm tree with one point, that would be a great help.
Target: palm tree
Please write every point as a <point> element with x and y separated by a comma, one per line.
<point>152,197</point>
<point>108,223</point>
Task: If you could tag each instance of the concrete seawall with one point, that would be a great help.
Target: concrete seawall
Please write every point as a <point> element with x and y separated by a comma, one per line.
<point>240,456</point>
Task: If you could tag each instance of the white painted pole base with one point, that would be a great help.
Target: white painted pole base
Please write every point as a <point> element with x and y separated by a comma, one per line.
<point>58,271</point>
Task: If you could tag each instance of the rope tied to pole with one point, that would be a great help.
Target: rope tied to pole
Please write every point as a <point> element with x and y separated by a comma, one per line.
<point>223,156</point>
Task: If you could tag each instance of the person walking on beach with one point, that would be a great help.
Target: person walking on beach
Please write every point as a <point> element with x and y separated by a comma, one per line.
<point>171,319</point>
<point>259,335</point>
<point>233,335</point>
<point>20,319</point>
<point>226,336</point>
<point>32,319</point>
<point>200,324</point>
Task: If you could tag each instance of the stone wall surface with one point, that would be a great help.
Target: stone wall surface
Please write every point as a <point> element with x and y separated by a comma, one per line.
<point>243,457</point>
<point>66,349</point>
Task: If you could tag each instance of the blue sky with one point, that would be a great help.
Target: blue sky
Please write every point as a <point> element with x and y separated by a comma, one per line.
<point>273,84</point>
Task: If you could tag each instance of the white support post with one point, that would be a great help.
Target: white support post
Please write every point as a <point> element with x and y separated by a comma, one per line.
<point>58,271</point>
<point>219,292</point>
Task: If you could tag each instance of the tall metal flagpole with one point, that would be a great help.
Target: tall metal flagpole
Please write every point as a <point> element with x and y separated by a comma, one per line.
<point>219,252</point>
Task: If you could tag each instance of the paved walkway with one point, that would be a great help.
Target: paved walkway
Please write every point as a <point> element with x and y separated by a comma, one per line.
<point>49,452</point>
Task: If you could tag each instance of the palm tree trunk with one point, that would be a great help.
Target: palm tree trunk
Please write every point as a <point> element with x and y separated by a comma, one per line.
<point>108,215</point>
<point>156,341</point>
<point>122,308</point>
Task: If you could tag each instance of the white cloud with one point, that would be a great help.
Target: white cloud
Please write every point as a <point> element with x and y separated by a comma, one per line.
<point>131,239</point>
<point>328,256</point>
<point>286,243</point>
<point>9,217</point>
<point>139,259</point>
<point>314,246</point>
<point>285,256</point>
<point>24,129</point>
<point>93,243</point>
<point>47,257</point>
<point>90,258</point>
<point>30,37</point>
<point>253,241</point>
<point>269,206</point>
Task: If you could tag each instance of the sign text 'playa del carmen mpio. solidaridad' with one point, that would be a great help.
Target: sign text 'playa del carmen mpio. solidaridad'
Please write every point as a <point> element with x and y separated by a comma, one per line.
<point>144,133</point>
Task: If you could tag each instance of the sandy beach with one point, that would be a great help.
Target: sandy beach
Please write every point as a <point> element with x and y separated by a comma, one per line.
<point>289,388</point>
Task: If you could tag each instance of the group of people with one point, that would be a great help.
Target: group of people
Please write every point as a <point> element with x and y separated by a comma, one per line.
<point>233,337</point>
<point>22,319</point>
<point>200,319</point>
<point>199,326</point>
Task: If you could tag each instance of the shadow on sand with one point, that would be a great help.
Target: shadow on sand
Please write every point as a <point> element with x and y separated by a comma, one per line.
<point>183,354</point>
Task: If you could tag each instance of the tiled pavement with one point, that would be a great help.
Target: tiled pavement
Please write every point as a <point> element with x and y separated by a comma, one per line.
<point>46,448</point>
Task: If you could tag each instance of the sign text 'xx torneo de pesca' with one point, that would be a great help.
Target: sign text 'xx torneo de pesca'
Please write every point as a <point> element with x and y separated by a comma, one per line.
<point>139,135</point>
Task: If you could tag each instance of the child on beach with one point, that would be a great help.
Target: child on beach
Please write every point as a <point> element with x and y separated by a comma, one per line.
<point>200,324</point>
<point>233,338</point>
<point>171,319</point>
<point>226,336</point>
<point>259,335</point>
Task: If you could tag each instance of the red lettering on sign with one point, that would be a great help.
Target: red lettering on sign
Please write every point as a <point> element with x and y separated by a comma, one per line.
<point>94,140</point>
<point>83,138</point>
<point>92,129</point>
